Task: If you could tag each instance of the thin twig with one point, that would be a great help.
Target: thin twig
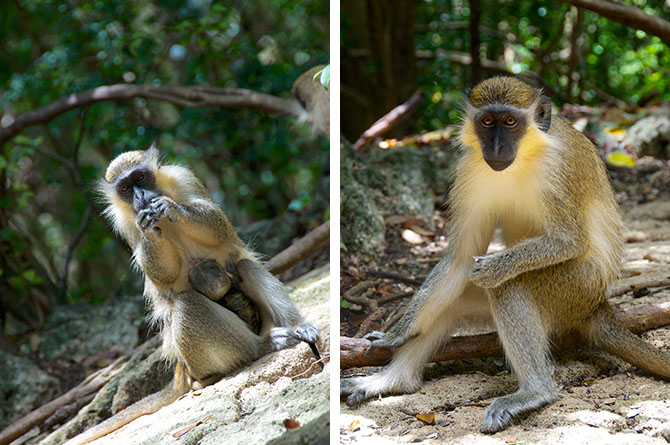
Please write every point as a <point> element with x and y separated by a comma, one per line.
<point>393,276</point>
<point>388,121</point>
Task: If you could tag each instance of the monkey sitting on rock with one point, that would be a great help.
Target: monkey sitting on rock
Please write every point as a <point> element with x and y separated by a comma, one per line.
<point>182,241</point>
<point>543,183</point>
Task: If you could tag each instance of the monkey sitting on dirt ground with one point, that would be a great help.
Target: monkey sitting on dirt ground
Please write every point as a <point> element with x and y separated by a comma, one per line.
<point>543,183</point>
<point>181,240</point>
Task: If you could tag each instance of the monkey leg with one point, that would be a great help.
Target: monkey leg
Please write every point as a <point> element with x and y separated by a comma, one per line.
<point>272,299</point>
<point>526,345</point>
<point>213,341</point>
<point>403,374</point>
<point>606,331</point>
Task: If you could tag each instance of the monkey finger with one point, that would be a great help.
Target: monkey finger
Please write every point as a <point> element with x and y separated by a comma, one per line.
<point>355,398</point>
<point>307,332</point>
<point>374,336</point>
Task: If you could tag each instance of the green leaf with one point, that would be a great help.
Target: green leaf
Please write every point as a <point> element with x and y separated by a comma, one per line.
<point>31,277</point>
<point>324,76</point>
<point>345,304</point>
<point>620,160</point>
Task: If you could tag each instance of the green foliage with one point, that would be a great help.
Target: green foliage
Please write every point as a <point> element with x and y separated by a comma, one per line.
<point>614,60</point>
<point>256,165</point>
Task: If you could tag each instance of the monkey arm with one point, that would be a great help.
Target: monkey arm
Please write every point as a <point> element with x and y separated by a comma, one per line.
<point>202,220</point>
<point>535,253</point>
<point>158,258</point>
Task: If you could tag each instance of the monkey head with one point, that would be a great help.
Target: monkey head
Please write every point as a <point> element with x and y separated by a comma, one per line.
<point>501,112</point>
<point>131,177</point>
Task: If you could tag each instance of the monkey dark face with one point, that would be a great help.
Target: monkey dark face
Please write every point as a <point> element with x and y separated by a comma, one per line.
<point>138,188</point>
<point>500,129</point>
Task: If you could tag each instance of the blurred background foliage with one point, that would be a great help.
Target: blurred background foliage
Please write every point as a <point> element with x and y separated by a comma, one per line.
<point>256,165</point>
<point>610,61</point>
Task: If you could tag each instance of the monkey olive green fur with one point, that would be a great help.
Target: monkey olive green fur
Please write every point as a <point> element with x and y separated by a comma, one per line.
<point>169,221</point>
<point>543,183</point>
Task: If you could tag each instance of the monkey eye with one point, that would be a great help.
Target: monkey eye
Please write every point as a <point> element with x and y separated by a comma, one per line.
<point>487,121</point>
<point>139,177</point>
<point>510,121</point>
<point>124,188</point>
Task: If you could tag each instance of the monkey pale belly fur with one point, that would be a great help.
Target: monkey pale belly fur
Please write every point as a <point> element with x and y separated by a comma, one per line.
<point>543,183</point>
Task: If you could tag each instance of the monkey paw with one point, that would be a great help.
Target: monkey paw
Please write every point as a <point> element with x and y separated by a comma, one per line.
<point>283,338</point>
<point>164,207</point>
<point>145,219</point>
<point>497,417</point>
<point>487,272</point>
<point>307,332</point>
<point>351,388</point>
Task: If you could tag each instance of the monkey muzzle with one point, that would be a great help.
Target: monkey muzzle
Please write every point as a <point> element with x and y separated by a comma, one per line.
<point>142,198</point>
<point>499,164</point>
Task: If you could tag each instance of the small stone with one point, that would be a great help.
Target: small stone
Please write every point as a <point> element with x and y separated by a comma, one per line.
<point>609,401</point>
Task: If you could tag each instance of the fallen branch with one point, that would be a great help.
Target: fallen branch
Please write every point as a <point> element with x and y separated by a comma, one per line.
<point>393,276</point>
<point>354,352</point>
<point>185,96</point>
<point>301,249</point>
<point>618,291</point>
<point>89,386</point>
<point>388,121</point>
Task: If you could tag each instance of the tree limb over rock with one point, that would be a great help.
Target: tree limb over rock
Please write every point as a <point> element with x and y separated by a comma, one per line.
<point>300,250</point>
<point>185,96</point>
<point>354,351</point>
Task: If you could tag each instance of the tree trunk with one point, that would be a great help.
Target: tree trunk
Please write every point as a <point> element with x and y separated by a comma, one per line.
<point>378,63</point>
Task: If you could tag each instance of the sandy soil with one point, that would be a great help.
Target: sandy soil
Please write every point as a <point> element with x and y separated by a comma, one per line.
<point>603,399</point>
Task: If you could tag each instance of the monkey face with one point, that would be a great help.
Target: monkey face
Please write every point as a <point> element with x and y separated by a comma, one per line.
<point>137,188</point>
<point>499,129</point>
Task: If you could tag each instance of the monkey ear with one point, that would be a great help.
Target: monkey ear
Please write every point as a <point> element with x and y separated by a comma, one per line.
<point>152,152</point>
<point>543,114</point>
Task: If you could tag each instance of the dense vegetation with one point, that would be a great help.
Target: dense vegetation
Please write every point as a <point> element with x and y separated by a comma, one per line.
<point>257,165</point>
<point>578,55</point>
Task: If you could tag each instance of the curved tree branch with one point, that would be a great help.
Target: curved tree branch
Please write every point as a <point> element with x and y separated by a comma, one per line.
<point>626,15</point>
<point>185,96</point>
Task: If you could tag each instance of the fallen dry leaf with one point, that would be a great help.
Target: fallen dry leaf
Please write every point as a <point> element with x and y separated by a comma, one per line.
<point>395,219</point>
<point>420,230</point>
<point>291,424</point>
<point>411,237</point>
<point>353,426</point>
<point>428,418</point>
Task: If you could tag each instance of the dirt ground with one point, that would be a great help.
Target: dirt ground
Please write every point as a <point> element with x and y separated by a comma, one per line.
<point>603,399</point>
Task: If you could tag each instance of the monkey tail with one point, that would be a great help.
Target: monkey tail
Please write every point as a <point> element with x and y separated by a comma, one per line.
<point>607,332</point>
<point>147,405</point>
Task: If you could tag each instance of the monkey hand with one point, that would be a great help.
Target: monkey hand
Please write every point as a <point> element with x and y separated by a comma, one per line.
<point>283,338</point>
<point>488,271</point>
<point>164,207</point>
<point>380,339</point>
<point>145,220</point>
<point>307,332</point>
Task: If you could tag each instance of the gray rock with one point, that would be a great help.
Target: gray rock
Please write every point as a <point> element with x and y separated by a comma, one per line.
<point>651,135</point>
<point>23,387</point>
<point>78,331</point>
